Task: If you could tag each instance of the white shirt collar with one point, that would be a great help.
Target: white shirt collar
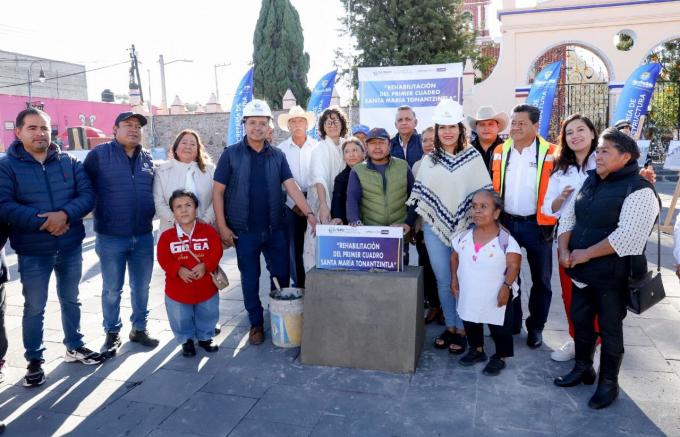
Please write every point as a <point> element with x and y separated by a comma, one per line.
<point>181,233</point>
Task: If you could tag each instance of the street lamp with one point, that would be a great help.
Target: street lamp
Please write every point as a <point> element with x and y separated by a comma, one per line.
<point>41,78</point>
<point>217,88</point>
<point>164,102</point>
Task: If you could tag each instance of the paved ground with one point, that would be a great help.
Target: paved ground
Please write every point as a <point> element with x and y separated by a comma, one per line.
<point>246,390</point>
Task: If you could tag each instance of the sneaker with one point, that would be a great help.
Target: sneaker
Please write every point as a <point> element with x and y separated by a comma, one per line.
<point>208,345</point>
<point>565,353</point>
<point>472,357</point>
<point>2,370</point>
<point>494,366</point>
<point>83,355</point>
<point>34,375</point>
<point>111,344</point>
<point>143,338</point>
<point>188,349</point>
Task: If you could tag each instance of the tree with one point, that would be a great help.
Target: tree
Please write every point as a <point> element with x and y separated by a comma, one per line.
<point>279,57</point>
<point>407,32</point>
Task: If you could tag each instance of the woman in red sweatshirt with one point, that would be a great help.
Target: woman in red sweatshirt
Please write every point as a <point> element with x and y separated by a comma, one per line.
<point>191,298</point>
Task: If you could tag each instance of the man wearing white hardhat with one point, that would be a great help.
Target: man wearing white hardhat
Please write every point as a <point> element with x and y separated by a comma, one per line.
<point>249,208</point>
<point>487,124</point>
<point>298,150</point>
<point>521,167</point>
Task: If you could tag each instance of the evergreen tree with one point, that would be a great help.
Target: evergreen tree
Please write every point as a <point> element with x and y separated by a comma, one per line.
<point>409,32</point>
<point>279,56</point>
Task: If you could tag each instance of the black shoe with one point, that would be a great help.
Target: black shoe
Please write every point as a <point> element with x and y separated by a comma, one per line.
<point>35,375</point>
<point>582,372</point>
<point>494,366</point>
<point>188,349</point>
<point>534,339</point>
<point>111,345</point>
<point>208,345</point>
<point>473,357</point>
<point>83,355</point>
<point>606,393</point>
<point>2,427</point>
<point>143,338</point>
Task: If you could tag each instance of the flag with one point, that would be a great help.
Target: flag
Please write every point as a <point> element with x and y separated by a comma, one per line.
<point>321,98</point>
<point>243,95</point>
<point>542,94</point>
<point>636,94</point>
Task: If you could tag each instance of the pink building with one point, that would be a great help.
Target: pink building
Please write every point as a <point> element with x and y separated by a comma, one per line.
<point>64,113</point>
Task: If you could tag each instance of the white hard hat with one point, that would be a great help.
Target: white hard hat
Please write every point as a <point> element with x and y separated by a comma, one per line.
<point>257,108</point>
<point>448,112</point>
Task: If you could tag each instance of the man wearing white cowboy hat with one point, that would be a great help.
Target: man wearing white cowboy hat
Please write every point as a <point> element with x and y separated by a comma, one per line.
<point>298,150</point>
<point>487,124</point>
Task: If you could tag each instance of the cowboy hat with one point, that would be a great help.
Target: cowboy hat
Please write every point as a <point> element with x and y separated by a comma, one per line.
<point>488,113</point>
<point>296,112</point>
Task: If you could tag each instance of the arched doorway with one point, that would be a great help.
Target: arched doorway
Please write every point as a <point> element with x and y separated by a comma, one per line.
<point>583,85</point>
<point>663,118</point>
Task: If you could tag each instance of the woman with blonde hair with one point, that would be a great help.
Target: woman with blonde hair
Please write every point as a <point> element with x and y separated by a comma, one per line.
<point>190,168</point>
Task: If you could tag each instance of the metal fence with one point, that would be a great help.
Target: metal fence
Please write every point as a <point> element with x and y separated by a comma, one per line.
<point>663,119</point>
<point>588,99</point>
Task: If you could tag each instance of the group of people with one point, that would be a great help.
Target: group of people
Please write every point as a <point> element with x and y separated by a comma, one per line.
<point>469,207</point>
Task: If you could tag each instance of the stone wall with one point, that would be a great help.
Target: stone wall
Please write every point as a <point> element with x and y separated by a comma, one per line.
<point>211,127</point>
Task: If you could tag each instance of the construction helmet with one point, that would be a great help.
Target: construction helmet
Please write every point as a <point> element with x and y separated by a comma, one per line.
<point>257,108</point>
<point>448,112</point>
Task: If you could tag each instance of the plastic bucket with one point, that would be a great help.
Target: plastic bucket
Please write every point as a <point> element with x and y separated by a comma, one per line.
<point>285,311</point>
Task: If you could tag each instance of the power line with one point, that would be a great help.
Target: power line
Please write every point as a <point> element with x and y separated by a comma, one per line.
<point>67,75</point>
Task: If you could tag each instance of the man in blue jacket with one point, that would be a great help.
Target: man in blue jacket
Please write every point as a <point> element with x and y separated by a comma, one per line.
<point>249,208</point>
<point>406,144</point>
<point>122,175</point>
<point>44,194</point>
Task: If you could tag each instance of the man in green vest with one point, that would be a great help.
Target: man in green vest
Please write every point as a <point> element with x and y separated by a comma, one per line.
<point>378,188</point>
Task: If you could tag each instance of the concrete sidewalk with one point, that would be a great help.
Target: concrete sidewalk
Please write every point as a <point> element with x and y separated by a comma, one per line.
<point>263,390</point>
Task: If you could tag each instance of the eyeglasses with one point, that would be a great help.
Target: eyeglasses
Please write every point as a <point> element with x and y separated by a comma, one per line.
<point>625,126</point>
<point>331,123</point>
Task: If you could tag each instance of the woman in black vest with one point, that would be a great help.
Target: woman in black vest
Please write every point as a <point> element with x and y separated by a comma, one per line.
<point>601,241</point>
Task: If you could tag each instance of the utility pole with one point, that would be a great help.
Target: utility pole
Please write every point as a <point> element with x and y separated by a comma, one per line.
<point>164,99</point>
<point>217,88</point>
<point>135,79</point>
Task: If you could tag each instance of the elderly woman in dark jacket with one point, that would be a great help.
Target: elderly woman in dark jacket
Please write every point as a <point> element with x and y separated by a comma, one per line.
<point>353,153</point>
<point>602,237</point>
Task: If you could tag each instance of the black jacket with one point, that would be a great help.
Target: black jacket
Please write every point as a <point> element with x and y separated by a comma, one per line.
<point>488,155</point>
<point>339,201</point>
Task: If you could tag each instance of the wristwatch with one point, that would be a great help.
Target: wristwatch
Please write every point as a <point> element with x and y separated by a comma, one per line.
<point>507,285</point>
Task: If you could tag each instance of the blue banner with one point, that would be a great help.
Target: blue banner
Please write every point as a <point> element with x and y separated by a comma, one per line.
<point>321,98</point>
<point>243,95</point>
<point>636,94</point>
<point>542,94</point>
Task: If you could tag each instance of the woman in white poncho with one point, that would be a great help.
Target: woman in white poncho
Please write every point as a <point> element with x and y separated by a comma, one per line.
<point>325,164</point>
<point>442,196</point>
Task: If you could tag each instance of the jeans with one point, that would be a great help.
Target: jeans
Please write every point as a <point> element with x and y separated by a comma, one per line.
<point>115,253</point>
<point>296,227</point>
<point>193,321</point>
<point>249,245</point>
<point>440,258</point>
<point>35,272</point>
<point>539,256</point>
<point>3,331</point>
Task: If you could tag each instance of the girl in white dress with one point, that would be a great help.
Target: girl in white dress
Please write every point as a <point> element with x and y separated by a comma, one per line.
<point>484,266</point>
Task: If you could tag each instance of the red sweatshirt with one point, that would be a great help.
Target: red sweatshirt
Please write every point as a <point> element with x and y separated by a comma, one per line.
<point>173,253</point>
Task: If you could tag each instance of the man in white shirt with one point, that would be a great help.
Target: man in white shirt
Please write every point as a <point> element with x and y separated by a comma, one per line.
<point>521,171</point>
<point>298,150</point>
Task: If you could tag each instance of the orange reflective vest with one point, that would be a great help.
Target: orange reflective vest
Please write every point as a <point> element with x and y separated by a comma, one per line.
<point>544,163</point>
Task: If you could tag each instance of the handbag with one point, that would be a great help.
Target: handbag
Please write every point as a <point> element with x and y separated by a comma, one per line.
<point>219,277</point>
<point>646,291</point>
